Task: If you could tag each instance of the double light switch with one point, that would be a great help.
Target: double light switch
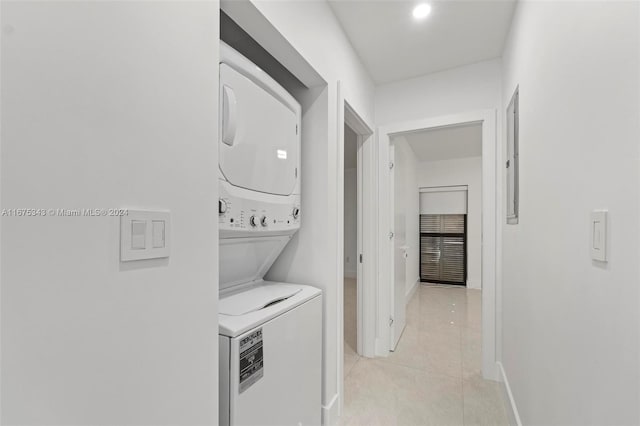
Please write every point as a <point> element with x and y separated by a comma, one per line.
<point>144,235</point>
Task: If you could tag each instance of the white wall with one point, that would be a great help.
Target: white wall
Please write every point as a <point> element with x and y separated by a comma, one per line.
<point>570,338</point>
<point>408,201</point>
<point>106,105</point>
<point>462,171</point>
<point>444,200</point>
<point>464,89</point>
<point>350,223</point>
<point>311,256</point>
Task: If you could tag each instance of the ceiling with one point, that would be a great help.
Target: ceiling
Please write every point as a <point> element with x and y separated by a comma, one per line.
<point>394,46</point>
<point>446,143</point>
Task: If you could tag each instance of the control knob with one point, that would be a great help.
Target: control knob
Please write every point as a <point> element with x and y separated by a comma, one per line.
<point>222,206</point>
<point>252,221</point>
<point>296,212</point>
<point>263,221</point>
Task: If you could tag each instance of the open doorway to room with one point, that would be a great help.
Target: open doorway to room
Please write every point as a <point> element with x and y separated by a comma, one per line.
<point>437,335</point>
<point>457,151</point>
<point>350,247</point>
<point>449,179</point>
<point>357,257</point>
<point>435,212</point>
<point>436,187</point>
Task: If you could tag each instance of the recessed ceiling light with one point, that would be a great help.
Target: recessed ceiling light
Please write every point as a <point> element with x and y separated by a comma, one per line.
<point>421,11</point>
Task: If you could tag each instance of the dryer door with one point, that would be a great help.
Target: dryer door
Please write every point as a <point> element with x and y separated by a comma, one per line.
<point>258,144</point>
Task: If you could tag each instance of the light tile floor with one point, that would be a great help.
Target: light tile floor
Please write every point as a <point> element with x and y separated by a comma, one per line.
<point>433,377</point>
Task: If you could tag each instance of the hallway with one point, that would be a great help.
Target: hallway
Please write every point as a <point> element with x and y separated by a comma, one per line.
<point>434,376</point>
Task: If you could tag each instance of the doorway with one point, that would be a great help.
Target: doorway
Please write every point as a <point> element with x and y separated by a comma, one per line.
<point>351,248</point>
<point>392,306</point>
<point>433,365</point>
<point>357,296</point>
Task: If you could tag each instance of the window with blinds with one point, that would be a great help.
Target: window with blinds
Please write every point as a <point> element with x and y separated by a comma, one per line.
<point>443,248</point>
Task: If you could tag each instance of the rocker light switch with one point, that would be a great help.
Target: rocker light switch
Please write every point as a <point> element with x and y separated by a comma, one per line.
<point>138,234</point>
<point>144,235</point>
<point>599,235</point>
<point>158,233</point>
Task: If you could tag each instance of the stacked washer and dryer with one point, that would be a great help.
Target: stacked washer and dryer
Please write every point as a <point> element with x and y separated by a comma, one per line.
<point>270,333</point>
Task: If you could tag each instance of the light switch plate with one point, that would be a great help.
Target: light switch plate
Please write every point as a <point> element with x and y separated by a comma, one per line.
<point>144,234</point>
<point>599,235</point>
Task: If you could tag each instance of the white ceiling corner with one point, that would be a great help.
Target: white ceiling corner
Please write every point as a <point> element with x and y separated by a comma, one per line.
<point>393,46</point>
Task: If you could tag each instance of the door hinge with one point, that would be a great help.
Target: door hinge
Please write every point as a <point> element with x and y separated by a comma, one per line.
<point>296,129</point>
<point>508,163</point>
<point>391,235</point>
<point>390,321</point>
<point>296,172</point>
<point>360,257</point>
<point>391,165</point>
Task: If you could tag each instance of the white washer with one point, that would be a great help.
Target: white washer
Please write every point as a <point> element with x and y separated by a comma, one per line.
<point>270,356</point>
<point>270,334</point>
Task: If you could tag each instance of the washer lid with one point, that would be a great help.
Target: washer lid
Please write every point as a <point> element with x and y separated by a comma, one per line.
<point>257,303</point>
<point>258,298</point>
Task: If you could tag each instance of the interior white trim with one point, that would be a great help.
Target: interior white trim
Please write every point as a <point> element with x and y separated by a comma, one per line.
<point>366,274</point>
<point>413,290</point>
<point>512,409</point>
<point>490,226</point>
<point>249,17</point>
<point>331,412</point>
<point>444,188</point>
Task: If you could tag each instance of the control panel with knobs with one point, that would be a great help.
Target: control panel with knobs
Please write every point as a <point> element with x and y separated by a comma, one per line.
<point>239,215</point>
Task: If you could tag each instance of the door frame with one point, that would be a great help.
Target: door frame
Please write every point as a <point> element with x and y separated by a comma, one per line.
<point>491,200</point>
<point>367,227</point>
<point>398,323</point>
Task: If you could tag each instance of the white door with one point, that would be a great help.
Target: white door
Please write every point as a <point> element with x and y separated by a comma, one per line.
<point>399,242</point>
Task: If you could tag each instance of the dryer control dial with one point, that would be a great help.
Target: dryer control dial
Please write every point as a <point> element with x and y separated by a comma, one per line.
<point>222,206</point>
<point>295,213</point>
<point>263,221</point>
<point>252,221</point>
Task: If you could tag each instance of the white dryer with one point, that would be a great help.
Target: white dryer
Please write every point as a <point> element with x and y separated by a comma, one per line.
<point>270,334</point>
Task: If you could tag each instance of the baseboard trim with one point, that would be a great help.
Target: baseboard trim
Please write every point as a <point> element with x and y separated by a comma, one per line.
<point>474,285</point>
<point>412,290</point>
<point>512,409</point>
<point>381,349</point>
<point>330,412</point>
